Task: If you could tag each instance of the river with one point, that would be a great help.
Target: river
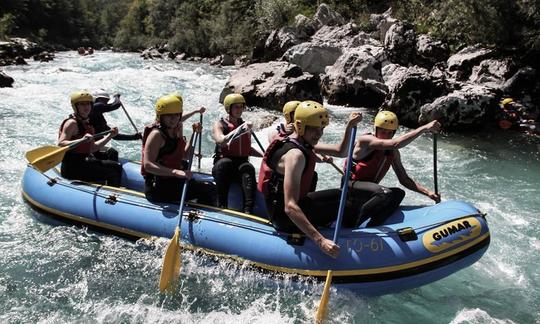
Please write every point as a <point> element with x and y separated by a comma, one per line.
<point>51,273</point>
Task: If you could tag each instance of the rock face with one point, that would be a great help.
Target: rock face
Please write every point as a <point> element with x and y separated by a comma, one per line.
<point>312,58</point>
<point>16,50</point>
<point>272,84</point>
<point>356,78</point>
<point>460,64</point>
<point>400,43</point>
<point>5,80</point>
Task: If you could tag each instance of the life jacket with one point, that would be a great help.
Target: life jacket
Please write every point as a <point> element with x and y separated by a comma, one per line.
<point>373,167</point>
<point>171,154</point>
<point>240,147</point>
<point>84,128</point>
<point>268,176</point>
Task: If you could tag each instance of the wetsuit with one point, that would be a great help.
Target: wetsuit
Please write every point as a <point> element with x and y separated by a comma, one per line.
<point>232,164</point>
<point>169,189</point>
<point>366,195</point>
<point>320,207</point>
<point>98,121</point>
<point>80,163</point>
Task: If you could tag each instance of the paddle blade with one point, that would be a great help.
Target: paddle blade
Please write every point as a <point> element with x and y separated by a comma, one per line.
<point>323,306</point>
<point>170,271</point>
<point>45,157</point>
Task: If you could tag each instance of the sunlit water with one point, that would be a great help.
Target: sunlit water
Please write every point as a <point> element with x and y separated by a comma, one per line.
<point>52,273</point>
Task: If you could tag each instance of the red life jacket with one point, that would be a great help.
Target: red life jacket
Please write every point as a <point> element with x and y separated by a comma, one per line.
<point>84,128</point>
<point>240,147</point>
<point>373,167</point>
<point>267,173</point>
<point>171,154</point>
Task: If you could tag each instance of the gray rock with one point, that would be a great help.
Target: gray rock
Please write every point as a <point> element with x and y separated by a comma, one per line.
<point>305,27</point>
<point>492,73</point>
<point>355,79</point>
<point>280,41</point>
<point>325,16</point>
<point>460,64</point>
<point>470,107</point>
<point>400,43</point>
<point>430,51</point>
<point>272,84</point>
<point>5,80</point>
<point>312,58</point>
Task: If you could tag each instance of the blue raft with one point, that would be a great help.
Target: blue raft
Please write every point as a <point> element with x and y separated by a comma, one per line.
<point>415,246</point>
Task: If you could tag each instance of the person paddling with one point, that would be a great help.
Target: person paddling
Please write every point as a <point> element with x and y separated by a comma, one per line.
<point>233,149</point>
<point>80,163</point>
<point>372,157</point>
<point>286,175</point>
<point>101,106</point>
<point>163,151</point>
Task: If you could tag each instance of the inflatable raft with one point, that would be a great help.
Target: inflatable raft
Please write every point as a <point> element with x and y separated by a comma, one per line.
<point>415,246</point>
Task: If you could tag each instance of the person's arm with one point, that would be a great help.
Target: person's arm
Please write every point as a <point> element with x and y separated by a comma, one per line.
<point>408,182</point>
<point>128,137</point>
<point>374,143</point>
<point>340,150</point>
<point>69,130</point>
<point>272,135</point>
<point>102,107</point>
<point>294,162</point>
<point>102,142</point>
<point>151,150</point>
<point>201,110</point>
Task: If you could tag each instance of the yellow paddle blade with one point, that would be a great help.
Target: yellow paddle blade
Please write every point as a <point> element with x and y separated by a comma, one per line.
<point>323,306</point>
<point>45,157</point>
<point>172,261</point>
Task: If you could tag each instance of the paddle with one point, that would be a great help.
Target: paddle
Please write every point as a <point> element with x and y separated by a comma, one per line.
<point>172,261</point>
<point>200,139</point>
<point>130,120</point>
<point>435,163</point>
<point>321,312</point>
<point>257,140</point>
<point>45,157</point>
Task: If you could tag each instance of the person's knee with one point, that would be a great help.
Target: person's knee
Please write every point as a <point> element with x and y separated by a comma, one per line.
<point>247,168</point>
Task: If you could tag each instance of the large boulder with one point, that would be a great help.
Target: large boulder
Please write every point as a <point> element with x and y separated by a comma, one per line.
<point>355,79</point>
<point>272,84</point>
<point>492,73</point>
<point>470,107</point>
<point>325,16</point>
<point>305,27</point>
<point>430,51</point>
<point>312,58</point>
<point>460,65</point>
<point>408,89</point>
<point>400,43</point>
<point>5,80</point>
<point>383,22</point>
<point>278,42</point>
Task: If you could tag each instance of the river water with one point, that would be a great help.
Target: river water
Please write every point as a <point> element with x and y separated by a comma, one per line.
<point>51,273</point>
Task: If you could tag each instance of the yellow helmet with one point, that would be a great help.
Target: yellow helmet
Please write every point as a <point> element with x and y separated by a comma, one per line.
<point>80,96</point>
<point>169,104</point>
<point>288,108</point>
<point>231,99</point>
<point>309,113</point>
<point>178,95</point>
<point>387,120</point>
<point>506,101</point>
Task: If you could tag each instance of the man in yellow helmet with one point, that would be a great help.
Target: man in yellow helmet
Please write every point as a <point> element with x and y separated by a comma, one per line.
<point>287,171</point>
<point>233,149</point>
<point>80,163</point>
<point>163,152</point>
<point>373,155</point>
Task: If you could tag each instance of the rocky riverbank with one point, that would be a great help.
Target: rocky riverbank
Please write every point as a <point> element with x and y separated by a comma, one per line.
<point>387,65</point>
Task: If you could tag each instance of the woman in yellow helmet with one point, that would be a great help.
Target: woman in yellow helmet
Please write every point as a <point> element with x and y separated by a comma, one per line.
<point>287,172</point>
<point>80,162</point>
<point>373,155</point>
<point>233,149</point>
<point>163,152</point>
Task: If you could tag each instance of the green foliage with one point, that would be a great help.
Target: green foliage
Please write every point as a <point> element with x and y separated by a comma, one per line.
<point>7,22</point>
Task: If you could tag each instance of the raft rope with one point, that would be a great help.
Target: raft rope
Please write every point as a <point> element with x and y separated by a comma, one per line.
<point>270,231</point>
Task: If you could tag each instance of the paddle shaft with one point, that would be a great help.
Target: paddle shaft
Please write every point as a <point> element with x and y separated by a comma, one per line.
<point>129,117</point>
<point>186,182</point>
<point>258,142</point>
<point>200,139</point>
<point>321,312</point>
<point>82,140</point>
<point>435,182</point>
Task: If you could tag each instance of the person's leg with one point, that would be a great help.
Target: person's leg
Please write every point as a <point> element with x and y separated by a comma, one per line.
<point>393,199</point>
<point>248,184</point>
<point>163,189</point>
<point>110,171</point>
<point>321,207</point>
<point>374,201</point>
<point>223,172</point>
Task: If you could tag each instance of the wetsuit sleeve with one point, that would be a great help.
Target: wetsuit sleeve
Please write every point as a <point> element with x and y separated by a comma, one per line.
<point>127,137</point>
<point>100,107</point>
